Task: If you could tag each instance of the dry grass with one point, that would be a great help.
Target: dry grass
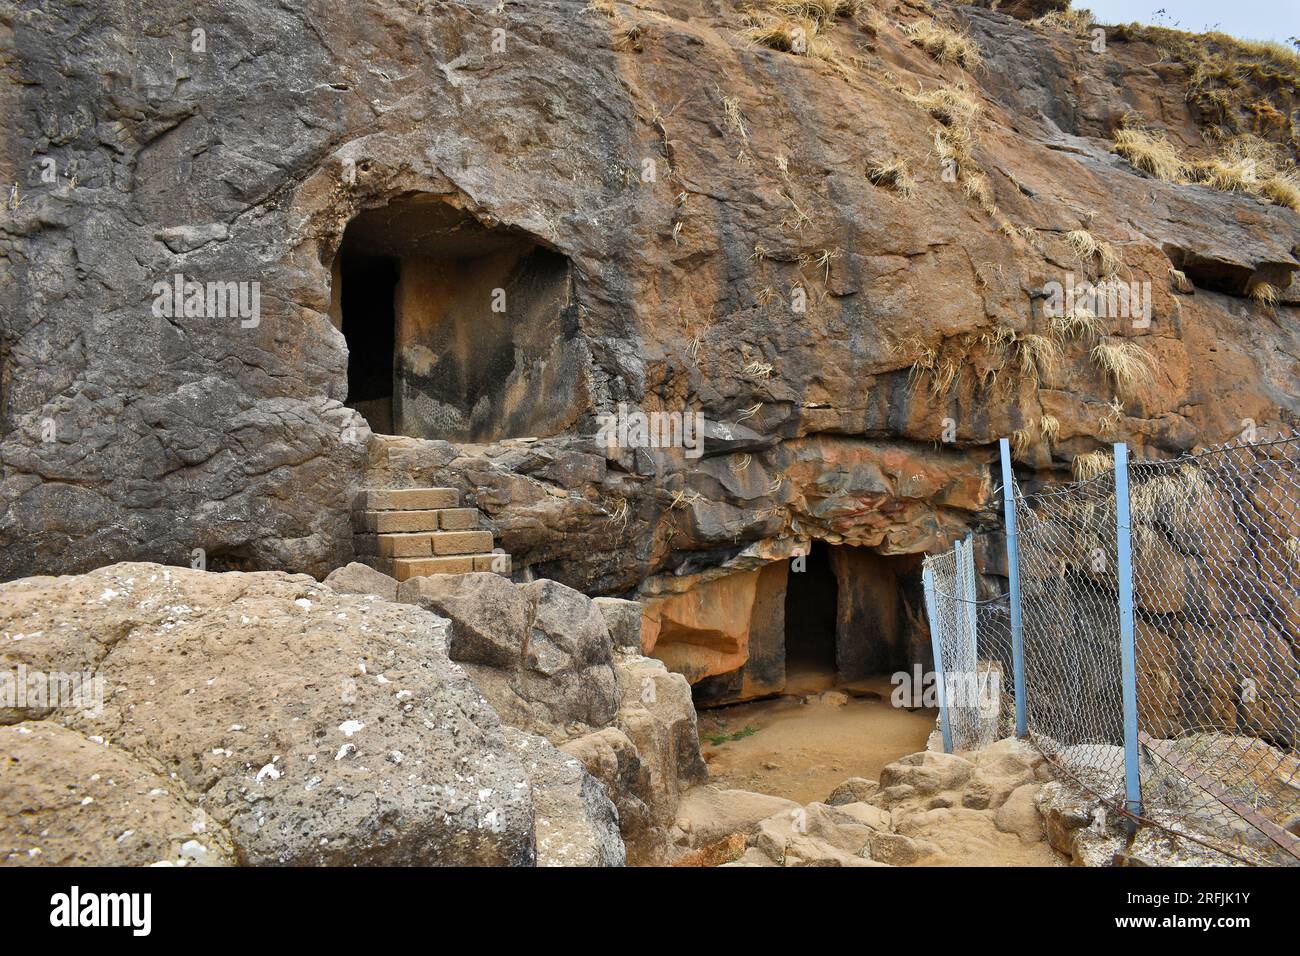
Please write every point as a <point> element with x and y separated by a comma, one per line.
<point>1090,249</point>
<point>1178,279</point>
<point>605,7</point>
<point>1244,163</point>
<point>1265,294</point>
<point>958,113</point>
<point>759,370</point>
<point>1091,464</point>
<point>944,45</point>
<point>1049,426</point>
<point>1150,152</point>
<point>1035,353</point>
<point>1124,361</point>
<point>1079,323</point>
<point>1065,21</point>
<point>1022,439</point>
<point>893,175</point>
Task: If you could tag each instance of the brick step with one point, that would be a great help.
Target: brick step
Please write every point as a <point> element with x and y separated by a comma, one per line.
<point>422,544</point>
<point>405,568</point>
<point>406,499</point>
<point>442,520</point>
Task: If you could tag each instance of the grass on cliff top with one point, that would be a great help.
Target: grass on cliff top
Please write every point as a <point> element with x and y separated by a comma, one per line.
<point>1234,86</point>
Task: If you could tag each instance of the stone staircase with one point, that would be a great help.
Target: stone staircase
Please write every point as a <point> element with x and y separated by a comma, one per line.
<point>410,532</point>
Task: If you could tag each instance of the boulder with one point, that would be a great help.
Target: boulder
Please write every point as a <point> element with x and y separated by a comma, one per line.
<point>68,800</point>
<point>623,619</point>
<point>357,578</point>
<point>853,790</point>
<point>707,814</point>
<point>539,652</point>
<point>611,757</point>
<point>385,755</point>
<point>927,773</point>
<point>1019,814</point>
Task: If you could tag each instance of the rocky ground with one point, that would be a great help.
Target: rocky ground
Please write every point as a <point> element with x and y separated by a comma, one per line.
<point>265,718</point>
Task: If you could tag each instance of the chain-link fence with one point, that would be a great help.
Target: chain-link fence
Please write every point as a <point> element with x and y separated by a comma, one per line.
<point>1213,623</point>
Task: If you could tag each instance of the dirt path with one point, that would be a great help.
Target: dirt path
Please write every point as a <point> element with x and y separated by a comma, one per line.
<point>803,751</point>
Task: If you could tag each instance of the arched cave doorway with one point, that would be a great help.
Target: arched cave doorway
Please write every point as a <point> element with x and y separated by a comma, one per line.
<point>811,615</point>
<point>456,330</point>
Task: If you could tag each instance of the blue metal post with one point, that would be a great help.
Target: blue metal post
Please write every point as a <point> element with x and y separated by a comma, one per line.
<point>1013,573</point>
<point>931,610</point>
<point>1127,651</point>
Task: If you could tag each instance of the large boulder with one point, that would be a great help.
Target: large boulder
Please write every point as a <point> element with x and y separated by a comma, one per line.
<point>297,725</point>
<point>540,652</point>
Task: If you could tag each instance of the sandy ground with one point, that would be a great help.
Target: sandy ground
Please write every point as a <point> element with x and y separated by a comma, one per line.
<point>804,751</point>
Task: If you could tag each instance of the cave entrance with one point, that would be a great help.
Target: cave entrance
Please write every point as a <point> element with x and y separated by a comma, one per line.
<point>456,330</point>
<point>811,602</point>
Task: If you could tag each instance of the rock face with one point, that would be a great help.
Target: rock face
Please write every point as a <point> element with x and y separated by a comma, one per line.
<point>215,744</point>
<point>659,240</point>
<point>546,660</point>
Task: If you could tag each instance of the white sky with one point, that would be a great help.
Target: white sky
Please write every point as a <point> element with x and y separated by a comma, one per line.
<point>1253,19</point>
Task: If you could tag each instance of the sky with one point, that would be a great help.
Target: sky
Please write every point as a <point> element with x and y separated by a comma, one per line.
<point>1251,19</point>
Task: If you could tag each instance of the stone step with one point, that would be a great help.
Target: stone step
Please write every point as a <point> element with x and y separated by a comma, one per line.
<point>404,568</point>
<point>415,522</point>
<point>406,499</point>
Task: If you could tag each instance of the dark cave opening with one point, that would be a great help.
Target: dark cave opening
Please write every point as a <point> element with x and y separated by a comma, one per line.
<point>457,330</point>
<point>811,602</point>
<point>368,291</point>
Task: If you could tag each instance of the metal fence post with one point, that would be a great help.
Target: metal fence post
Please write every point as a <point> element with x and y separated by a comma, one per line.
<point>1127,651</point>
<point>931,610</point>
<point>1013,573</point>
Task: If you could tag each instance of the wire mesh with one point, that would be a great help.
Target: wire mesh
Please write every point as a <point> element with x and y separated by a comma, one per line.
<point>1215,541</point>
<point>1216,590</point>
<point>974,639</point>
<point>1070,612</point>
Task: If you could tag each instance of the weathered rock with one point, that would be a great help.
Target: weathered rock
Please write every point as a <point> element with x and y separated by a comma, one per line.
<point>812,836</point>
<point>539,652</point>
<point>69,801</point>
<point>125,450</point>
<point>612,758</point>
<point>1019,814</point>
<point>623,619</point>
<point>927,773</point>
<point>356,578</point>
<point>853,790</point>
<point>575,822</point>
<point>387,755</point>
<point>707,814</point>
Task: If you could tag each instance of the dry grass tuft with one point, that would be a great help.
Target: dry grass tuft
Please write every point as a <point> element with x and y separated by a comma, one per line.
<point>1265,295</point>
<point>958,113</point>
<point>1150,152</point>
<point>1091,464</point>
<point>1125,362</point>
<point>1089,248</point>
<point>943,44</point>
<point>1049,426</point>
<point>1078,323</point>
<point>1022,439</point>
<point>893,175</point>
<point>1037,352</point>
<point>1065,21</point>
<point>1178,279</point>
